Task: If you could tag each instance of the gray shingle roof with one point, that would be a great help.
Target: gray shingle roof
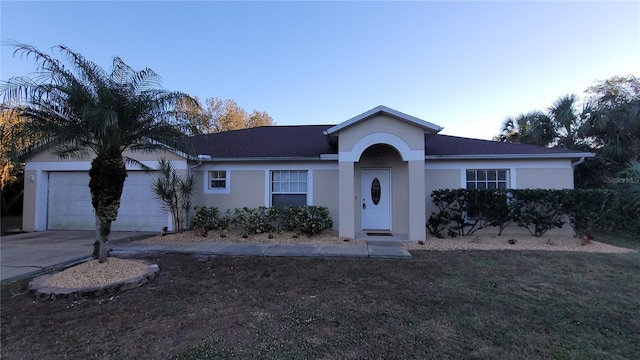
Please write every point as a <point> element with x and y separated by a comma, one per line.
<point>265,141</point>
<point>447,145</point>
<point>309,141</point>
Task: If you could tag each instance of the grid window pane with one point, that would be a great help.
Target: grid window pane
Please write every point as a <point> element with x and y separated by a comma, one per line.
<point>486,179</point>
<point>288,187</point>
<point>471,175</point>
<point>217,179</point>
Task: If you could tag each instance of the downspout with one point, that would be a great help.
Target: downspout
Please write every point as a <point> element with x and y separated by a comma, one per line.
<point>574,164</point>
<point>189,212</point>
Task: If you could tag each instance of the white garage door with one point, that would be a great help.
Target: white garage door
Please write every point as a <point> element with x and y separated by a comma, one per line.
<point>69,203</point>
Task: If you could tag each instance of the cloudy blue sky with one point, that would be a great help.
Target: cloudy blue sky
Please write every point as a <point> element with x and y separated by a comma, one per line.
<point>465,66</point>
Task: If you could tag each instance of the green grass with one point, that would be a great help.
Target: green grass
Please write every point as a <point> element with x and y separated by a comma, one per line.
<point>440,305</point>
<point>619,240</point>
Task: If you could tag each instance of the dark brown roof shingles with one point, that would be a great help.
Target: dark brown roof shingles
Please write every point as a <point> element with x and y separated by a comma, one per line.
<point>309,141</point>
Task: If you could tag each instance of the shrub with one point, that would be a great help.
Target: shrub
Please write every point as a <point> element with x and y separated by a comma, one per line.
<point>255,220</point>
<point>607,210</point>
<point>308,219</point>
<point>538,210</point>
<point>461,212</point>
<point>458,212</point>
<point>315,220</point>
<point>290,217</point>
<point>205,217</point>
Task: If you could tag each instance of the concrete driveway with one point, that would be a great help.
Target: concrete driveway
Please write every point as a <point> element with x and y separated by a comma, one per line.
<point>29,254</point>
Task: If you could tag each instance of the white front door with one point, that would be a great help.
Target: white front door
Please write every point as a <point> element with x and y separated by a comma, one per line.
<point>376,199</point>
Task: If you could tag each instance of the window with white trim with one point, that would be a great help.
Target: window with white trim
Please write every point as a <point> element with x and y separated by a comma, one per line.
<point>484,180</point>
<point>487,179</point>
<point>288,187</point>
<point>218,180</point>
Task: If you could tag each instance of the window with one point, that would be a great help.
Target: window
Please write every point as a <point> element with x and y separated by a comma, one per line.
<point>483,179</point>
<point>218,180</point>
<point>288,187</point>
<point>486,179</point>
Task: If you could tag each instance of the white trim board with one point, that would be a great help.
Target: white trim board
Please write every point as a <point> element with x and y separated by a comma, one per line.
<point>86,165</point>
<point>489,164</point>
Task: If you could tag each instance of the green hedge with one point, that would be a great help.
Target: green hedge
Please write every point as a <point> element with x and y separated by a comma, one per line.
<point>462,212</point>
<point>307,219</point>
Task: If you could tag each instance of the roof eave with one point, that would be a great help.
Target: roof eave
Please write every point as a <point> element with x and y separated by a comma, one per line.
<point>510,156</point>
<point>263,159</point>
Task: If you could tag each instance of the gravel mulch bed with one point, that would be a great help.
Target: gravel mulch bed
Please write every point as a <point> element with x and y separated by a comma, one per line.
<point>516,242</point>
<point>93,273</point>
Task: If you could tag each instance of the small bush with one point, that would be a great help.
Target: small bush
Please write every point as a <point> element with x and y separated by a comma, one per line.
<point>538,210</point>
<point>205,218</point>
<point>255,220</point>
<point>308,219</point>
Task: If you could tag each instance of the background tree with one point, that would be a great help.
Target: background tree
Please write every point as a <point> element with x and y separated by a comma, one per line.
<point>197,118</point>
<point>606,123</point>
<point>259,118</point>
<point>558,127</point>
<point>531,128</point>
<point>221,115</point>
<point>11,166</point>
<point>83,110</point>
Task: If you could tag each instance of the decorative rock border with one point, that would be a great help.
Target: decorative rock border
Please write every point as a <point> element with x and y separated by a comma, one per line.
<point>43,291</point>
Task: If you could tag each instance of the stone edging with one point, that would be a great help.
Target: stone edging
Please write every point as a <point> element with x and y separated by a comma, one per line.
<point>39,287</point>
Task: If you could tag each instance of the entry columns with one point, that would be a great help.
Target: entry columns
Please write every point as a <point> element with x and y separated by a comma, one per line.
<point>417,201</point>
<point>347,200</point>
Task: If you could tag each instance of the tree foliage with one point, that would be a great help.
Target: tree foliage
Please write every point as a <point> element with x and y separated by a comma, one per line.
<point>82,110</point>
<point>606,122</point>
<point>220,115</point>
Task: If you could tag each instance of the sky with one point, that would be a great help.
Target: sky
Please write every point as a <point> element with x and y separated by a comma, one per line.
<point>465,66</point>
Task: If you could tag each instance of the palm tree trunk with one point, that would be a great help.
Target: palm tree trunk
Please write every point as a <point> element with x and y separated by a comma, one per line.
<point>100,250</point>
<point>106,184</point>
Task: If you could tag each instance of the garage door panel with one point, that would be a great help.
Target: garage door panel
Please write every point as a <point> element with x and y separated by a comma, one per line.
<point>69,203</point>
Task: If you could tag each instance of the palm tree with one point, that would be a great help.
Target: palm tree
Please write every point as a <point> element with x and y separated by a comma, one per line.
<point>531,128</point>
<point>83,110</point>
<point>559,127</point>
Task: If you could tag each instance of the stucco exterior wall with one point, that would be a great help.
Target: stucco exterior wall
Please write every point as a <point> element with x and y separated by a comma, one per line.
<point>325,192</point>
<point>439,179</point>
<point>246,189</point>
<point>545,178</point>
<point>413,136</point>
<point>522,174</point>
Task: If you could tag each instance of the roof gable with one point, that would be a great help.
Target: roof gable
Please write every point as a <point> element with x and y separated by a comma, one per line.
<point>381,109</point>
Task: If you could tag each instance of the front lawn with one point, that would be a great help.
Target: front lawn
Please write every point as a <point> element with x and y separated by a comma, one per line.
<point>457,304</point>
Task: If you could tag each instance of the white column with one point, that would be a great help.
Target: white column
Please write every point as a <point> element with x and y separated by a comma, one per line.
<point>346,202</point>
<point>417,201</point>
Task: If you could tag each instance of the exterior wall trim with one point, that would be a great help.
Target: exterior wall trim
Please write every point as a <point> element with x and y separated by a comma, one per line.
<point>400,145</point>
<point>86,165</point>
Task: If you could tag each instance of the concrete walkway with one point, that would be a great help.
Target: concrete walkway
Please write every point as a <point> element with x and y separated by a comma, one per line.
<point>374,250</point>
<point>30,254</point>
